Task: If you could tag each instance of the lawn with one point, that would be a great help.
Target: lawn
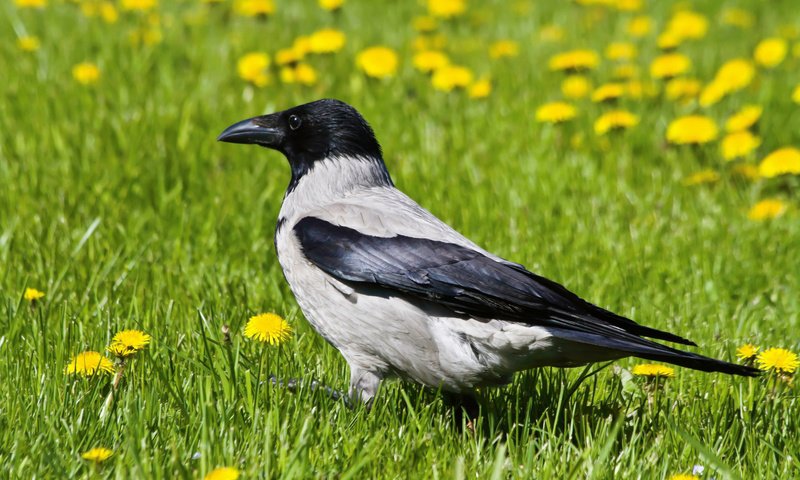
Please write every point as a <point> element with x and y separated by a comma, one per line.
<point>119,205</point>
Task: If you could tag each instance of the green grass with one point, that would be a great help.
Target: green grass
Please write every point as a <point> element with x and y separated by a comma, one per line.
<point>117,202</point>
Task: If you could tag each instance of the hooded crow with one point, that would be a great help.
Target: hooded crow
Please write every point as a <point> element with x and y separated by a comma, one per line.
<point>402,294</point>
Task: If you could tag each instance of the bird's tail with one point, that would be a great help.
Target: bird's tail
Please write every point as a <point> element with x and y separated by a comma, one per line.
<point>699,362</point>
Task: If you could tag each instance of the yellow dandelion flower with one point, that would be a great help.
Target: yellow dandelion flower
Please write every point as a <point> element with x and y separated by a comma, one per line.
<point>30,3</point>
<point>796,94</point>
<point>653,370</point>
<point>287,56</point>
<point>378,62</point>
<point>446,8</point>
<point>28,43</point>
<point>771,52</point>
<point>254,8</point>
<point>767,209</point>
<point>424,24</point>
<point>683,476</point>
<point>32,295</point>
<point>621,51</point>
<point>503,48</point>
<point>688,24</point>
<point>607,92</point>
<point>574,60</point>
<point>89,363</point>
<point>780,162</point>
<point>627,5</point>
<point>449,77</point>
<point>551,33</point>
<point>86,73</point>
<point>138,5</point>
<point>738,17</point>
<point>739,144</point>
<point>779,360</point>
<point>682,88</point>
<point>108,12</point>
<point>735,74</point>
<point>576,86</point>
<point>97,454</point>
<point>713,93</point>
<point>747,351</point>
<point>639,26</point>
<point>128,342</point>
<point>222,473</point>
<point>669,65</point>
<point>615,120</point>
<point>480,89</point>
<point>330,5</point>
<point>252,68</point>
<point>701,177</point>
<point>555,112</point>
<point>744,118</point>
<point>430,60</point>
<point>268,327</point>
<point>302,46</point>
<point>327,40</point>
<point>668,40</point>
<point>625,71</point>
<point>692,129</point>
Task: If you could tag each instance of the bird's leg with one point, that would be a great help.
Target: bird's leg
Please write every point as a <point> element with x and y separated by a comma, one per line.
<point>466,408</point>
<point>293,384</point>
<point>363,385</point>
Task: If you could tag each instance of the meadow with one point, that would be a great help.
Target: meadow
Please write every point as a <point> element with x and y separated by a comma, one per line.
<point>547,132</point>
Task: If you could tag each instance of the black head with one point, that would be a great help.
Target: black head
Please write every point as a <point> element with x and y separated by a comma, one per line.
<point>309,133</point>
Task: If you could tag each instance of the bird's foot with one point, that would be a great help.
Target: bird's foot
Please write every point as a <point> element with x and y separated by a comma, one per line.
<point>294,384</point>
<point>466,409</point>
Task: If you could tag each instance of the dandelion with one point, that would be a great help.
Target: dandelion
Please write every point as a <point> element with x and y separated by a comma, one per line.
<point>713,93</point>
<point>555,112</point>
<point>796,94</point>
<point>576,86</point>
<point>252,68</point>
<point>692,129</point>
<point>701,177</point>
<point>608,92</point>
<point>615,120</point>
<point>744,118</point>
<point>683,476</point>
<point>625,71</point>
<point>254,8</point>
<point>268,327</point>
<point>669,65</point>
<point>327,40</point>
<point>735,74</point>
<point>331,5</point>
<point>32,295</point>
<point>378,62</point>
<point>287,56</point>
<point>767,210</point>
<point>451,76</point>
<point>688,25</point>
<point>30,3</point>
<point>480,89</point>
<point>503,48</point>
<point>682,88</point>
<point>138,5</point>
<point>222,473</point>
<point>424,24</point>
<point>551,33</point>
<point>89,363</point>
<point>770,52</point>
<point>302,46</point>
<point>28,43</point>
<point>429,60</point>
<point>86,73</point>
<point>748,351</point>
<point>639,26</point>
<point>574,60</point>
<point>749,172</point>
<point>778,360</point>
<point>738,17</point>
<point>128,342</point>
<point>653,370</point>
<point>628,5</point>
<point>97,454</point>
<point>780,162</point>
<point>446,8</point>
<point>621,51</point>
<point>301,73</point>
<point>739,144</point>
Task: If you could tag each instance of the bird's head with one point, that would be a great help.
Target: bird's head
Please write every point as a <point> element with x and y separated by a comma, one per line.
<point>310,133</point>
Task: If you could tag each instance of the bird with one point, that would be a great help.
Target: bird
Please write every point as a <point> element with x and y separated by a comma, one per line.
<point>399,293</point>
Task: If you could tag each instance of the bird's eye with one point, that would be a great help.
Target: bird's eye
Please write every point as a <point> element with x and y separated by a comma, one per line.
<point>294,122</point>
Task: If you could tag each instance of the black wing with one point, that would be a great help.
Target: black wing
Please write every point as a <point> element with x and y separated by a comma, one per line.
<point>469,282</point>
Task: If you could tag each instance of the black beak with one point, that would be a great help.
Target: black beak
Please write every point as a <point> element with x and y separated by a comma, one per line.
<point>264,131</point>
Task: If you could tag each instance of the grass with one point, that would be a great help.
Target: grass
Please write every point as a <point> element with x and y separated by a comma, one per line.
<point>119,204</point>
